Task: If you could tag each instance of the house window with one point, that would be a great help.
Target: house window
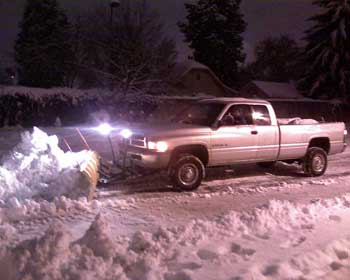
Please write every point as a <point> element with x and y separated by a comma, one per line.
<point>198,76</point>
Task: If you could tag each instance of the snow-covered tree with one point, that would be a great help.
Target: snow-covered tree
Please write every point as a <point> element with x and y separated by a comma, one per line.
<point>42,50</point>
<point>276,59</point>
<point>328,51</point>
<point>213,29</point>
<point>129,52</point>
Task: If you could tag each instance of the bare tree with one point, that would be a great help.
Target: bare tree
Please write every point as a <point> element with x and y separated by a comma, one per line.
<point>277,59</point>
<point>128,53</point>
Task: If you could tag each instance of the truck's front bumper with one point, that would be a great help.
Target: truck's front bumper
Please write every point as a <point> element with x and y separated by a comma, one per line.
<point>147,158</point>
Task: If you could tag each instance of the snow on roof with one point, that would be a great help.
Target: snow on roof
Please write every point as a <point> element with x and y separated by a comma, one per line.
<point>278,90</point>
<point>181,68</point>
<point>237,100</point>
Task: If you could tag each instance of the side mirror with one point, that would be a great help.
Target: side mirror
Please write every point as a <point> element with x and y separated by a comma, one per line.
<point>217,125</point>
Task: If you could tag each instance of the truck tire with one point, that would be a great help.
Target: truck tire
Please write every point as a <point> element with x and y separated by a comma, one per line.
<point>266,164</point>
<point>187,173</point>
<point>315,162</point>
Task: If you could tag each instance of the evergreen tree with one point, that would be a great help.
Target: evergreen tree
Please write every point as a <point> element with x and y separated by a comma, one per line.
<point>328,51</point>
<point>42,50</point>
<point>214,31</point>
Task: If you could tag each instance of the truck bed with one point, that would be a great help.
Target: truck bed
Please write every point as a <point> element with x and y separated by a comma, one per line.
<point>296,135</point>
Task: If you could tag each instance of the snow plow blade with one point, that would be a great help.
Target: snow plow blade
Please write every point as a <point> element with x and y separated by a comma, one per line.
<point>90,176</point>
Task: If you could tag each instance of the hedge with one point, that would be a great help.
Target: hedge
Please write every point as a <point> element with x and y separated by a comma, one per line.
<point>29,107</point>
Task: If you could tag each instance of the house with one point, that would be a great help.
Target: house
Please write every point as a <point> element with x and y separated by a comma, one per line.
<point>270,90</point>
<point>288,102</point>
<point>191,78</point>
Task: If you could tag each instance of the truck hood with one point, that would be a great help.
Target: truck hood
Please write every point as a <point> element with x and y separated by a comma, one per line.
<point>164,130</point>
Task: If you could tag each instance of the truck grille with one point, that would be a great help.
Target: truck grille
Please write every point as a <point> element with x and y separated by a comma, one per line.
<point>138,141</point>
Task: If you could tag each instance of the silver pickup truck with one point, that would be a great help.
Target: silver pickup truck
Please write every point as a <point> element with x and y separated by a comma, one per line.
<point>228,131</point>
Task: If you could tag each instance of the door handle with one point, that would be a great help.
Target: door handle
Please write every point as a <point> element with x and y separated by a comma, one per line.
<point>254,132</point>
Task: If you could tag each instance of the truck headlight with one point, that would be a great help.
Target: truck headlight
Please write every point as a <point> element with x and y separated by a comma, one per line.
<point>160,146</point>
<point>345,132</point>
<point>152,145</point>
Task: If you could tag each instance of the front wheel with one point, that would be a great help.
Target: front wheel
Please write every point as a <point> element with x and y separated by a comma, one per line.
<point>315,162</point>
<point>187,173</point>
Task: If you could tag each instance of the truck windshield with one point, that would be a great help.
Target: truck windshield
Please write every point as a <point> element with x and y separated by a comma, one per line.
<point>201,113</point>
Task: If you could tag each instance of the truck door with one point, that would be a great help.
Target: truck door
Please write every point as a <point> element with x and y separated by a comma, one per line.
<point>267,134</point>
<point>236,139</point>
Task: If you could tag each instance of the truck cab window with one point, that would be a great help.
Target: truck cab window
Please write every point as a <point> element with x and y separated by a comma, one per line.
<point>238,115</point>
<point>201,113</point>
<point>261,115</point>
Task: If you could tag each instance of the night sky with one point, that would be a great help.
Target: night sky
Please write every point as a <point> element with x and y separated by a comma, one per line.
<point>264,17</point>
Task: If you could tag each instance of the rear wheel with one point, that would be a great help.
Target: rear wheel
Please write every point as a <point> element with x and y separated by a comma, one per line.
<point>315,162</point>
<point>187,173</point>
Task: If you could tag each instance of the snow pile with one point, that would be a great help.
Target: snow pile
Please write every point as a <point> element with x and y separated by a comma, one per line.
<point>296,121</point>
<point>37,166</point>
<point>31,211</point>
<point>231,247</point>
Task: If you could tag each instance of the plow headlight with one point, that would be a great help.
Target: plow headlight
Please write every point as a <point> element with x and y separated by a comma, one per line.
<point>104,129</point>
<point>160,146</point>
<point>126,133</point>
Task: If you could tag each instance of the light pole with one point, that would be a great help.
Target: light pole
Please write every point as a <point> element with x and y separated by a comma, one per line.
<point>113,4</point>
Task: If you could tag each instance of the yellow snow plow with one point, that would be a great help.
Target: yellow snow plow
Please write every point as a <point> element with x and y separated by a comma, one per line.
<point>89,178</point>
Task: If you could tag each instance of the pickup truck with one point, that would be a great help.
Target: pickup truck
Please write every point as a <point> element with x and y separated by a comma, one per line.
<point>229,131</point>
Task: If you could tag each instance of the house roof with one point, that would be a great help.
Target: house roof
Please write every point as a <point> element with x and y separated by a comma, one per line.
<point>278,90</point>
<point>182,68</point>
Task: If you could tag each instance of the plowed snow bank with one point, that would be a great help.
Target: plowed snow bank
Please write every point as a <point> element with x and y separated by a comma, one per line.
<point>233,246</point>
<point>37,166</point>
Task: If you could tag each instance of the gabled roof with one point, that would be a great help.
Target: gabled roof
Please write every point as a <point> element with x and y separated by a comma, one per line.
<point>278,90</point>
<point>182,68</point>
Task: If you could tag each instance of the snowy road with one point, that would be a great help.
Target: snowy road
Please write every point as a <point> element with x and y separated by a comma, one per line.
<point>240,188</point>
<point>243,189</point>
<point>221,231</point>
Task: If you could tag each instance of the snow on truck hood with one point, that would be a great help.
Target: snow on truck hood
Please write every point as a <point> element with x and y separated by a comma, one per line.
<point>37,166</point>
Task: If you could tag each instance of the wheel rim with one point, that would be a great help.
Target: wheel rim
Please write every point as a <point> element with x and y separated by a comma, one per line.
<point>188,174</point>
<point>318,163</point>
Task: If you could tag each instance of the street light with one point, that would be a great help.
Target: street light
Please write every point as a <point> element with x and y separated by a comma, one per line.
<point>113,4</point>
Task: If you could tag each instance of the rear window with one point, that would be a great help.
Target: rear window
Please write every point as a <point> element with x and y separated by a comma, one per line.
<point>261,115</point>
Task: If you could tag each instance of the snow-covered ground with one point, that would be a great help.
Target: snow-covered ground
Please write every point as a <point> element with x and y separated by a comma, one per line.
<point>243,223</point>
